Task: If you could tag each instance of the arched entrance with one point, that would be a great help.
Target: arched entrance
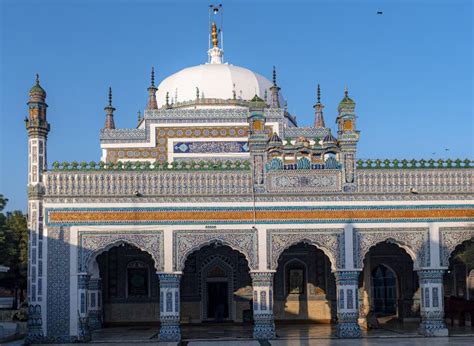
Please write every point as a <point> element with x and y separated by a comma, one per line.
<point>304,286</point>
<point>130,287</point>
<point>216,286</point>
<point>384,290</point>
<point>459,284</point>
<point>389,284</point>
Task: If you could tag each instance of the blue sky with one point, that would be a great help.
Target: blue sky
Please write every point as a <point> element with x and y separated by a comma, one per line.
<point>409,70</point>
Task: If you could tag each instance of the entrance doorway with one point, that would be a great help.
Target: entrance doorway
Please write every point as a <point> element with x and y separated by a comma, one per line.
<point>384,290</point>
<point>217,300</point>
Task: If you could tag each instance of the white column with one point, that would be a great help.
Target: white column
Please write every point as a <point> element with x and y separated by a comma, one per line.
<point>95,303</point>
<point>264,325</point>
<point>170,306</point>
<point>432,303</point>
<point>347,286</point>
<point>83,327</point>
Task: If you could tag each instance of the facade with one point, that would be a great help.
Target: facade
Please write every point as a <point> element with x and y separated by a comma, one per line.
<point>218,207</point>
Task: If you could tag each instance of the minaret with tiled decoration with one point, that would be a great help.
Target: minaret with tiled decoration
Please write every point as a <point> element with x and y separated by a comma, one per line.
<point>348,136</point>
<point>38,129</point>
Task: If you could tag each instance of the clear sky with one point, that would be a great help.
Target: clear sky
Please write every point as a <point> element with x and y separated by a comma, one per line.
<point>409,70</point>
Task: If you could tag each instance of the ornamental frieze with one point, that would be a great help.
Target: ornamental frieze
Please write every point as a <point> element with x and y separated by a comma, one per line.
<point>413,240</point>
<point>186,242</point>
<point>303,181</point>
<point>91,243</point>
<point>330,241</point>
<point>450,238</point>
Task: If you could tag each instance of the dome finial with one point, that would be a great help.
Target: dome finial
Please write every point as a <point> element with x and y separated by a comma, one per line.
<point>37,79</point>
<point>318,107</point>
<point>215,40</point>
<point>319,94</point>
<point>346,91</point>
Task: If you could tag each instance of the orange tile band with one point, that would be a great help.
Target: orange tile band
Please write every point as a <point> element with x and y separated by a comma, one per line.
<point>248,215</point>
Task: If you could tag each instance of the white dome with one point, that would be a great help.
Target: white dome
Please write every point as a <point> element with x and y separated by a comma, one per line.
<point>214,81</point>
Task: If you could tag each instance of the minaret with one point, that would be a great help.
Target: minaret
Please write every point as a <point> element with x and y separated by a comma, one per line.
<point>347,137</point>
<point>38,129</point>
<point>152,104</point>
<point>318,108</point>
<point>215,53</point>
<point>275,91</point>
<point>109,113</point>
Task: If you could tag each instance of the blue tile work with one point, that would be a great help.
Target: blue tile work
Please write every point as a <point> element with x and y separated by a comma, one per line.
<point>211,147</point>
<point>58,285</point>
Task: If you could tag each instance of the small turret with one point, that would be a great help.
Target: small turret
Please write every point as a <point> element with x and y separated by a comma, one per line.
<point>347,137</point>
<point>318,108</point>
<point>109,113</point>
<point>152,104</point>
<point>275,91</point>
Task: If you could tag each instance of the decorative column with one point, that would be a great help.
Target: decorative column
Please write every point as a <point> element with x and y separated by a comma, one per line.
<point>82,284</point>
<point>169,306</point>
<point>432,303</point>
<point>95,303</point>
<point>264,325</point>
<point>347,286</point>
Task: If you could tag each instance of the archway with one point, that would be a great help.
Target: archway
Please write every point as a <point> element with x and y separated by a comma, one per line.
<point>384,290</point>
<point>389,285</point>
<point>130,286</point>
<point>304,286</point>
<point>216,286</point>
<point>459,284</point>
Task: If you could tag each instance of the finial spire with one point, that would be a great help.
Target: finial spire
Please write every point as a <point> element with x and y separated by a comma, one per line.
<point>110,96</point>
<point>37,79</point>
<point>319,94</point>
<point>274,76</point>
<point>152,76</point>
<point>346,91</point>
<point>139,116</point>
<point>197,93</point>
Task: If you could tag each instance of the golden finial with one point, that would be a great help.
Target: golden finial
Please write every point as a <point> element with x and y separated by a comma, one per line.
<point>214,35</point>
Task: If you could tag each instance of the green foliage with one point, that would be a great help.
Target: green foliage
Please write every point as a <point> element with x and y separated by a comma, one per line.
<point>13,247</point>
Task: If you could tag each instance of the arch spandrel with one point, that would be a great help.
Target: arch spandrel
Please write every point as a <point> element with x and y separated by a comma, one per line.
<point>187,242</point>
<point>414,241</point>
<point>330,241</point>
<point>92,244</point>
<point>450,238</point>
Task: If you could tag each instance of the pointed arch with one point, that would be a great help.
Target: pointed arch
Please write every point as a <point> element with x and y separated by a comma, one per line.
<point>92,244</point>
<point>450,239</point>
<point>413,240</point>
<point>330,241</point>
<point>187,242</point>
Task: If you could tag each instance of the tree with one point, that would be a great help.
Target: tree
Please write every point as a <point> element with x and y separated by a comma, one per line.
<point>13,248</point>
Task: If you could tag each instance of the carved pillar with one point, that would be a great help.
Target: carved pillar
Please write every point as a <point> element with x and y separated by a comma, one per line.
<point>169,306</point>
<point>82,284</point>
<point>264,325</point>
<point>432,303</point>
<point>95,303</point>
<point>347,286</point>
